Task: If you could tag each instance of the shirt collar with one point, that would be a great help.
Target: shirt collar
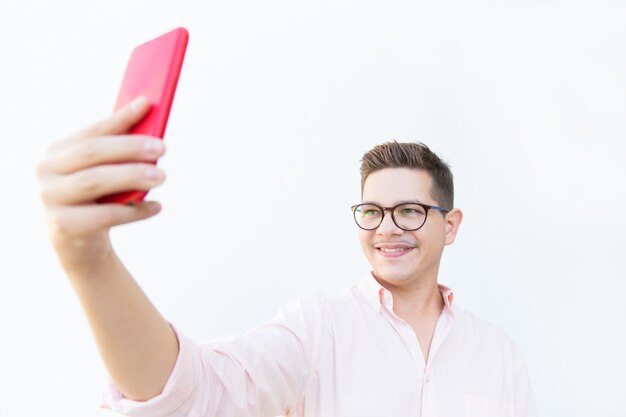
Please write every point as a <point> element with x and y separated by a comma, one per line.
<point>377,295</point>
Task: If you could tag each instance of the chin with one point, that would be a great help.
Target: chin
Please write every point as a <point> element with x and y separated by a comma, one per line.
<point>391,276</point>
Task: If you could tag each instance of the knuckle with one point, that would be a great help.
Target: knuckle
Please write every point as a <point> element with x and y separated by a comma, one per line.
<point>88,151</point>
<point>45,194</point>
<point>48,191</point>
<point>88,181</point>
<point>59,223</point>
<point>41,169</point>
<point>107,218</point>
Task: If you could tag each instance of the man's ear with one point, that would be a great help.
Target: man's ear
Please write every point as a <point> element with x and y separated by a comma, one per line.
<point>453,221</point>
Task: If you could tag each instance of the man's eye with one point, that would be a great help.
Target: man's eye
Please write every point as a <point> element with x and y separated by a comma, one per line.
<point>370,212</point>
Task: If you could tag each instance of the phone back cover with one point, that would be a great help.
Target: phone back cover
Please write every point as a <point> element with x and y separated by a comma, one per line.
<point>153,71</point>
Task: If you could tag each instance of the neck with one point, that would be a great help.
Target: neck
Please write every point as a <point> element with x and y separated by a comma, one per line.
<point>420,301</point>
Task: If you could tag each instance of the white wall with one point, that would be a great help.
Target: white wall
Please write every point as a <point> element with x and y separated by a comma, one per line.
<point>277,102</point>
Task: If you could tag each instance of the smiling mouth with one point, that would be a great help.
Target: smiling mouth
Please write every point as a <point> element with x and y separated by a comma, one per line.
<point>393,252</point>
<point>386,250</point>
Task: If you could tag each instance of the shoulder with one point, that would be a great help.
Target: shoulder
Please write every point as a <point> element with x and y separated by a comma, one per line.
<point>334,300</point>
<point>310,304</point>
<point>327,308</point>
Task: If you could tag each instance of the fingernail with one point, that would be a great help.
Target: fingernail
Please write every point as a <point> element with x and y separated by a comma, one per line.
<point>153,173</point>
<point>154,207</point>
<point>137,103</point>
<point>153,146</point>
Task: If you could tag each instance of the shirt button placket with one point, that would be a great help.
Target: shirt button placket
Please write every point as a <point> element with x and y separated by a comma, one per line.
<point>428,405</point>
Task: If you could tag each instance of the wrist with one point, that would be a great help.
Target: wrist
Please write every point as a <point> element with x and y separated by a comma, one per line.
<point>84,257</point>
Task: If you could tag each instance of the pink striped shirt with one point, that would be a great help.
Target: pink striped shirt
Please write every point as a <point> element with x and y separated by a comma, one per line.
<point>346,355</point>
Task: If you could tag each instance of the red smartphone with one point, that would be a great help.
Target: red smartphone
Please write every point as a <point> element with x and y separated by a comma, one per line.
<point>152,71</point>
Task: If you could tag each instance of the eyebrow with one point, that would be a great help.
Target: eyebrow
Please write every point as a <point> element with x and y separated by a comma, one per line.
<point>396,203</point>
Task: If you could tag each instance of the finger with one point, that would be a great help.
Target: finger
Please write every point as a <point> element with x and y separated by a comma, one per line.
<point>119,122</point>
<point>77,221</point>
<point>122,120</point>
<point>104,150</point>
<point>87,185</point>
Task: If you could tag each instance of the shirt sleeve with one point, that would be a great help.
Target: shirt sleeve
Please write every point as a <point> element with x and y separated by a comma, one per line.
<point>261,373</point>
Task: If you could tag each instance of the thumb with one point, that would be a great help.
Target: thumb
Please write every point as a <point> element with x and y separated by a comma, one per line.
<point>119,122</point>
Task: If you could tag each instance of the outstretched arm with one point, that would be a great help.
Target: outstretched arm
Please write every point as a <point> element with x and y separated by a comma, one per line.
<point>138,346</point>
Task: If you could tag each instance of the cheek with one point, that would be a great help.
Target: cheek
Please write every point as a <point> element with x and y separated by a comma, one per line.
<point>432,239</point>
<point>365,238</point>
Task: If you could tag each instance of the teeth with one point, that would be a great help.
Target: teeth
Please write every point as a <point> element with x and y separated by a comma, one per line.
<point>393,250</point>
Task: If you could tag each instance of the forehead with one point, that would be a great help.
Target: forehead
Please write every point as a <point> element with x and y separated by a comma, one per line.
<point>391,186</point>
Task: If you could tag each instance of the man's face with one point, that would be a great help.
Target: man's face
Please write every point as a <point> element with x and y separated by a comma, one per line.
<point>419,263</point>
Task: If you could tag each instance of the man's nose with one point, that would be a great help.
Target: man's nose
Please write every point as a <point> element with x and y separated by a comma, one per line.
<point>387,226</point>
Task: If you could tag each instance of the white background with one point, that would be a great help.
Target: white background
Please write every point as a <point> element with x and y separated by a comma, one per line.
<point>277,102</point>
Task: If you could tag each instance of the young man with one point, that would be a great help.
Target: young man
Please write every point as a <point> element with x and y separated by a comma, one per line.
<point>393,345</point>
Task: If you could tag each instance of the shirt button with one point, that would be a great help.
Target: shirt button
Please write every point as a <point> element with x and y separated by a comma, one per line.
<point>426,379</point>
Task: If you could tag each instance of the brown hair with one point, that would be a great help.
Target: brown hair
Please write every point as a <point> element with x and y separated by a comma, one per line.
<point>411,155</point>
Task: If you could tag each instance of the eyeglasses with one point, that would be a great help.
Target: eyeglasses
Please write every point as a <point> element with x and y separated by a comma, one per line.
<point>407,216</point>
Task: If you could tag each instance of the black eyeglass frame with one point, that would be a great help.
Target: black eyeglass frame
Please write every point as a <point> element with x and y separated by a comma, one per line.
<point>383,210</point>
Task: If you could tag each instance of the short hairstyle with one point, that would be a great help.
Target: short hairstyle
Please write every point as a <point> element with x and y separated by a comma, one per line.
<point>411,155</point>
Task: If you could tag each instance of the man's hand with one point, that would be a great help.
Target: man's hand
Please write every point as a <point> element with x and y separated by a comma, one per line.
<point>89,164</point>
